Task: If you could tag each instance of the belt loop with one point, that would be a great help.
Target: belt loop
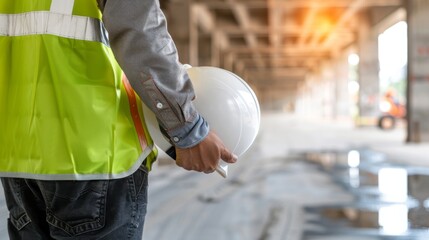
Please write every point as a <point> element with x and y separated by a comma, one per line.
<point>62,6</point>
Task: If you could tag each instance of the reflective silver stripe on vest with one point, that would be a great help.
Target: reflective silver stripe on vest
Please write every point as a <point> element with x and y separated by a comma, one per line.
<point>137,165</point>
<point>68,26</point>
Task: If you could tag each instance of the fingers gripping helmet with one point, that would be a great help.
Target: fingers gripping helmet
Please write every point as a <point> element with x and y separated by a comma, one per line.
<point>227,103</point>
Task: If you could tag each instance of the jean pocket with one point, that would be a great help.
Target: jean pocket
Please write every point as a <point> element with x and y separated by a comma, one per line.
<point>74,207</point>
<point>17,215</point>
<point>140,182</point>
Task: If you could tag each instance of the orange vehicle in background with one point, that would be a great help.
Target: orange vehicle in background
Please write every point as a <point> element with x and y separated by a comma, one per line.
<point>392,110</point>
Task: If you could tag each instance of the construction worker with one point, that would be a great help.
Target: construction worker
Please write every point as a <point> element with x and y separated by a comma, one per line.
<point>74,149</point>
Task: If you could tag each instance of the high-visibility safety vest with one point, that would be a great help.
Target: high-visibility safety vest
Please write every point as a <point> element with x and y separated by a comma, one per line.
<point>66,112</point>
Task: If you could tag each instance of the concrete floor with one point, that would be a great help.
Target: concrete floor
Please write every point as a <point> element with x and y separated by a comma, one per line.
<point>284,185</point>
<point>294,183</point>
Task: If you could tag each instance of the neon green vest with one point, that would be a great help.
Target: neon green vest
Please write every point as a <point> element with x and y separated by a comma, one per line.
<point>65,110</point>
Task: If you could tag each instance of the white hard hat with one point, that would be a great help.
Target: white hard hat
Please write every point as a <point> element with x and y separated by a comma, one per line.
<point>226,102</point>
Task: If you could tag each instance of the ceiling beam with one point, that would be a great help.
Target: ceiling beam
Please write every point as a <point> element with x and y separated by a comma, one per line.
<point>289,51</point>
<point>346,16</point>
<point>204,18</point>
<point>242,15</point>
<point>284,62</point>
<point>301,3</point>
<point>283,31</point>
<point>278,72</point>
<point>274,23</point>
<point>306,29</point>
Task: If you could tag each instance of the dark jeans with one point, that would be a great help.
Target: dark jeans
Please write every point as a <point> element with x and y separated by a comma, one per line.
<point>102,209</point>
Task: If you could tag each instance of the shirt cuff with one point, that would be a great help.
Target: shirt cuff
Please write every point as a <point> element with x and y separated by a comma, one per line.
<point>190,134</point>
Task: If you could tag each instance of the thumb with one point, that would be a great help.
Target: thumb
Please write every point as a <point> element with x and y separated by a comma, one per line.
<point>228,156</point>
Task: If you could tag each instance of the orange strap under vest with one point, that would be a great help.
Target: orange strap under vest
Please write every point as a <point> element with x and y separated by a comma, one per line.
<point>135,112</point>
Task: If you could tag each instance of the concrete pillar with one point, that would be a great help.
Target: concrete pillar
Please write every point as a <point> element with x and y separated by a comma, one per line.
<point>368,71</point>
<point>316,93</point>
<point>418,71</point>
<point>325,91</point>
<point>342,97</point>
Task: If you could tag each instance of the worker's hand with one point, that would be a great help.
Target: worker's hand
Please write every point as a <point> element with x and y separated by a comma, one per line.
<point>205,156</point>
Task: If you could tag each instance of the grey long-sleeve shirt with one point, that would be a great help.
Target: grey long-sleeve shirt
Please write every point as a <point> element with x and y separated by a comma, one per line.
<point>146,52</point>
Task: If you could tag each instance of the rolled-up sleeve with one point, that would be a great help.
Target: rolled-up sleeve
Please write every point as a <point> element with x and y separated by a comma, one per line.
<point>145,51</point>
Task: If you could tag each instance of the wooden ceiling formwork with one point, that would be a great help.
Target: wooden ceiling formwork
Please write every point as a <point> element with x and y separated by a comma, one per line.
<point>264,40</point>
